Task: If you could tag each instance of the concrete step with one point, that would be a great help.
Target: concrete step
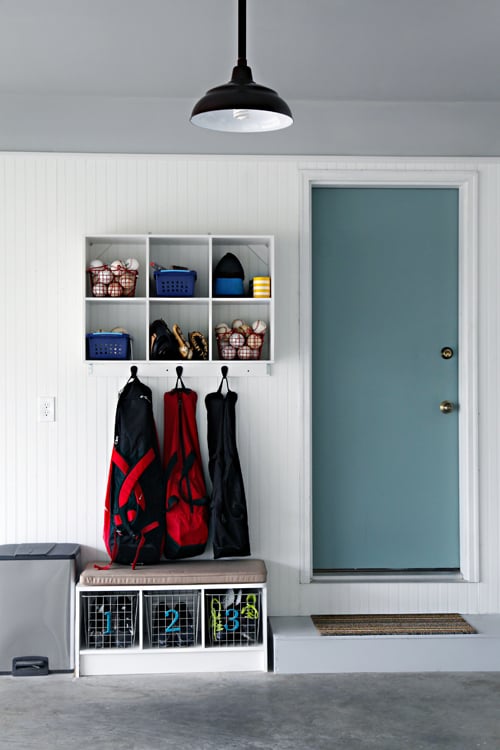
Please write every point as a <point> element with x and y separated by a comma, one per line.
<point>297,648</point>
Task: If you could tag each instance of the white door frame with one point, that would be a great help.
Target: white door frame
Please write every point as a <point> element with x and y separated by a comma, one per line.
<point>467,184</point>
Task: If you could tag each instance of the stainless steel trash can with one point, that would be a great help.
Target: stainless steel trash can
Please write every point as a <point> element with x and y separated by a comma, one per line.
<point>37,606</point>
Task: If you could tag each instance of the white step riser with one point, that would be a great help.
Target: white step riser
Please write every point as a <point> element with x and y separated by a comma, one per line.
<point>299,649</point>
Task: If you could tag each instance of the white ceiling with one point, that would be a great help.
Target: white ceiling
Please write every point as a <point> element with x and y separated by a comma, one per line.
<point>430,57</point>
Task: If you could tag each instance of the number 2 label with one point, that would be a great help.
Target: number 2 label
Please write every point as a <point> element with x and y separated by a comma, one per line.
<point>175,616</point>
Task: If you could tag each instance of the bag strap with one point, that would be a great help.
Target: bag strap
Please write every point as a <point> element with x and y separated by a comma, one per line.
<point>142,540</point>
<point>130,484</point>
<point>180,387</point>
<point>132,478</point>
<point>224,371</point>
<point>173,500</point>
<point>113,553</point>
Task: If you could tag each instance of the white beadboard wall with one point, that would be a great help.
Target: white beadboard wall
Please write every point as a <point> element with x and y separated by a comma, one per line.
<point>53,475</point>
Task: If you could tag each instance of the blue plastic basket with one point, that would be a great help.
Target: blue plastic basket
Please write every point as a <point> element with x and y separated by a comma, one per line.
<point>175,283</point>
<point>108,345</point>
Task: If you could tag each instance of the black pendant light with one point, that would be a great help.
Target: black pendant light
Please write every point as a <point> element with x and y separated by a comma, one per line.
<point>241,105</point>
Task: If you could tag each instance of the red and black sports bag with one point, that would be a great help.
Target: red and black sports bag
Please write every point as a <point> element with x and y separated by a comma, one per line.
<point>186,501</point>
<point>134,520</point>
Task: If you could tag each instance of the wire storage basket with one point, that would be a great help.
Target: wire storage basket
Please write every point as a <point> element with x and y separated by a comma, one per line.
<point>116,282</point>
<point>175,282</point>
<point>236,345</point>
<point>109,620</point>
<point>172,619</point>
<point>233,617</point>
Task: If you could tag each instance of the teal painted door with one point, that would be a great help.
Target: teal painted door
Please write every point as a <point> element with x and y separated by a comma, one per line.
<point>384,304</point>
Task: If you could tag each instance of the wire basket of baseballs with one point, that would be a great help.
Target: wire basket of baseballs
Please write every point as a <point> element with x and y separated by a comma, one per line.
<point>240,340</point>
<point>116,279</point>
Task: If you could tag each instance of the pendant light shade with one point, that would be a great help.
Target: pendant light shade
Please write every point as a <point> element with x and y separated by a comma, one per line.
<point>241,105</point>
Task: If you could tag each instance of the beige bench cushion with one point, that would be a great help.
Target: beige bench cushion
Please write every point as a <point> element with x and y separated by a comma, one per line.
<point>185,572</point>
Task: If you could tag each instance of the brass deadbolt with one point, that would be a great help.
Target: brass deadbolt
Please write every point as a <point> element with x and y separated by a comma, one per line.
<point>447,352</point>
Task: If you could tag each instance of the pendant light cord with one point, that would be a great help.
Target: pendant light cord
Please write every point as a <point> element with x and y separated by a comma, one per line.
<point>242,32</point>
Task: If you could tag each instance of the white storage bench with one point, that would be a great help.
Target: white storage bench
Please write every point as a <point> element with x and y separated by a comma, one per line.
<point>183,616</point>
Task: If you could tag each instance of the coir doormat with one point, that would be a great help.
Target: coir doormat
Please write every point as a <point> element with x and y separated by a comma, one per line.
<point>433,624</point>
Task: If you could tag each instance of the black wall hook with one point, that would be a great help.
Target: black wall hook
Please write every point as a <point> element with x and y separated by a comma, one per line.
<point>133,376</point>
<point>224,371</point>
<point>179,370</point>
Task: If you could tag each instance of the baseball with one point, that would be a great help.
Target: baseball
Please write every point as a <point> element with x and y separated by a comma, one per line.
<point>117,267</point>
<point>127,280</point>
<point>221,328</point>
<point>236,324</point>
<point>99,290</point>
<point>104,276</point>
<point>254,341</point>
<point>259,326</point>
<point>115,289</point>
<point>228,352</point>
<point>244,352</point>
<point>132,264</point>
<point>236,340</point>
<point>96,263</point>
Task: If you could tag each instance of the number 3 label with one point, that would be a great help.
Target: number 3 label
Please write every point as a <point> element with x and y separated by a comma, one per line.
<point>232,616</point>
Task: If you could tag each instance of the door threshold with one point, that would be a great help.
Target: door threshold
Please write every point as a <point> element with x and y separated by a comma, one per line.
<point>388,576</point>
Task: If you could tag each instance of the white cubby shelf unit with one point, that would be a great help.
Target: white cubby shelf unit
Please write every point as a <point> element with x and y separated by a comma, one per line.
<point>200,312</point>
<point>142,628</point>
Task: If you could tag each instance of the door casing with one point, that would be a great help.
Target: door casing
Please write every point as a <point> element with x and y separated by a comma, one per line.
<point>466,183</point>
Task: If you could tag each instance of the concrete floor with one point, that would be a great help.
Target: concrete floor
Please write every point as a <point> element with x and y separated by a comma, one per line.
<point>450,711</point>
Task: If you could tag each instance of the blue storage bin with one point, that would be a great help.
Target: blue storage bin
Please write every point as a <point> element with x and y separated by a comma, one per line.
<point>175,283</point>
<point>108,345</point>
<point>228,287</point>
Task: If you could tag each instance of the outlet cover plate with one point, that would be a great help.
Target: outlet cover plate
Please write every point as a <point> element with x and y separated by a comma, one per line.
<point>46,408</point>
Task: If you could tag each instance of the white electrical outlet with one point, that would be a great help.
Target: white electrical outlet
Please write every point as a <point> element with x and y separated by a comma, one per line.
<point>46,408</point>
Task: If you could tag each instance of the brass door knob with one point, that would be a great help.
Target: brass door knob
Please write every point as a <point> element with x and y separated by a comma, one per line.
<point>447,407</point>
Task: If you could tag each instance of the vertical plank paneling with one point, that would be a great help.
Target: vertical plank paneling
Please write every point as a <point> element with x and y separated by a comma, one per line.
<point>9,281</point>
<point>23,313</point>
<point>53,476</point>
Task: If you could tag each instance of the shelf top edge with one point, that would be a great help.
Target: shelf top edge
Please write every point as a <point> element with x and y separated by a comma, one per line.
<point>208,236</point>
<point>237,300</point>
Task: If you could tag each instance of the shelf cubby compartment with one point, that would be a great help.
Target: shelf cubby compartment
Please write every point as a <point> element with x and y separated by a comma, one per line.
<point>109,249</point>
<point>172,619</point>
<point>189,314</point>
<point>254,254</point>
<point>233,618</point>
<point>249,311</point>
<point>109,619</point>
<point>104,314</point>
<point>191,252</point>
